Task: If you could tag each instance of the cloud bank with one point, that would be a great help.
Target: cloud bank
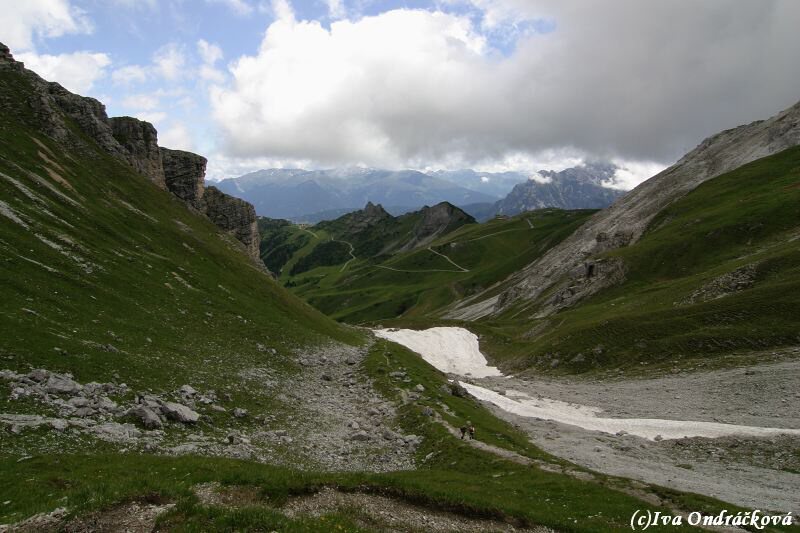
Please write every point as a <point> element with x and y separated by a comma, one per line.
<point>622,79</point>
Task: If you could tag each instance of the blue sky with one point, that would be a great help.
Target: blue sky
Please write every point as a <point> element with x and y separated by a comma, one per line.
<point>488,84</point>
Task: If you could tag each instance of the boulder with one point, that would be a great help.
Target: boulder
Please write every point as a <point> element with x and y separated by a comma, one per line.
<point>360,436</point>
<point>179,413</point>
<point>146,416</point>
<point>239,412</point>
<point>62,384</point>
<point>187,390</point>
<point>59,424</point>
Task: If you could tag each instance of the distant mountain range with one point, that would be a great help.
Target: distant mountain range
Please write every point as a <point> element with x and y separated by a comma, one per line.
<point>314,196</point>
<point>295,194</point>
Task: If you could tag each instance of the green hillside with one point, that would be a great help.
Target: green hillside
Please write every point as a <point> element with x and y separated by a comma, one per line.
<point>364,284</point>
<point>717,273</point>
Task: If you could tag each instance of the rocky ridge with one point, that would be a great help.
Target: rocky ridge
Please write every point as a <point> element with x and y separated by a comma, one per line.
<point>572,265</point>
<point>438,220</point>
<point>134,142</point>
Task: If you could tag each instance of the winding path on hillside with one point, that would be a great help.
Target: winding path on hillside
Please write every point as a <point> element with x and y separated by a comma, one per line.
<point>352,255</point>
<point>462,269</point>
<point>459,267</point>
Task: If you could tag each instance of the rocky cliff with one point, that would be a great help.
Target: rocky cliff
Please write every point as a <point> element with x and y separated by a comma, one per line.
<point>234,216</point>
<point>140,141</point>
<point>56,111</point>
<point>571,271</point>
<point>184,174</point>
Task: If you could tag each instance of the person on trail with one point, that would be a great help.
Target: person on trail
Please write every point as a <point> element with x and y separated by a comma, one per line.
<point>463,432</point>
<point>471,432</point>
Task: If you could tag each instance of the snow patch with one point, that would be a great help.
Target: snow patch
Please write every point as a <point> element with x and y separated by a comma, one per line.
<point>456,351</point>
<point>585,417</point>
<point>451,350</point>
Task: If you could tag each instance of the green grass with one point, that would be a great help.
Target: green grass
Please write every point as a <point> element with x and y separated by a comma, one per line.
<point>420,284</point>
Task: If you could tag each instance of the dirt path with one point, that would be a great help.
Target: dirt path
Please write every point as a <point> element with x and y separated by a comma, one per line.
<point>462,269</point>
<point>352,255</point>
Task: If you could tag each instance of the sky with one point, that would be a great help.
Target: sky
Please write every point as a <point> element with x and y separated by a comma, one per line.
<point>493,85</point>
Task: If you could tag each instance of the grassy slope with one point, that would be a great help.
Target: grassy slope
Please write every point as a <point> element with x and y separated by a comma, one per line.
<point>750,216</point>
<point>134,269</point>
<point>368,291</point>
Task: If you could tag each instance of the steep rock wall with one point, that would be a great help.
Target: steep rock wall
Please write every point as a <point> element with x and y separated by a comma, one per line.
<point>234,216</point>
<point>184,175</point>
<point>140,141</point>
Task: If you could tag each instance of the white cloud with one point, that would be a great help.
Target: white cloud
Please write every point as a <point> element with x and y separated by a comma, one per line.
<point>170,61</point>
<point>154,117</point>
<point>618,79</point>
<point>210,53</point>
<point>540,178</point>
<point>240,7</point>
<point>24,21</point>
<point>177,137</point>
<point>142,101</point>
<point>629,174</point>
<point>336,9</point>
<point>282,10</point>
<point>485,179</point>
<point>129,75</point>
<point>77,71</point>
<point>211,74</point>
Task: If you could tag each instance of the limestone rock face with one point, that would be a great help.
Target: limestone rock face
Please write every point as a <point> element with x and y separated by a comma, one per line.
<point>184,175</point>
<point>90,115</point>
<point>234,216</point>
<point>140,140</point>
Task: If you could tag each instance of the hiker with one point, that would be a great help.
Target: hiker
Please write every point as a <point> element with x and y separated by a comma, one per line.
<point>463,432</point>
<point>471,432</point>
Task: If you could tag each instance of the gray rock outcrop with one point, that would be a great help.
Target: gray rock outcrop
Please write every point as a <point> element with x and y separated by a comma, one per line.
<point>184,174</point>
<point>235,217</point>
<point>179,413</point>
<point>438,220</point>
<point>624,222</point>
<point>140,140</point>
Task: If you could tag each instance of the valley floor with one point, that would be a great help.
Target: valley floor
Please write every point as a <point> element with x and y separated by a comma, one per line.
<point>759,469</point>
<point>759,473</point>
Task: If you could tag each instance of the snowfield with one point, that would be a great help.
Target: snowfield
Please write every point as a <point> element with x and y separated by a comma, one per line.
<point>456,351</point>
<point>451,350</point>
